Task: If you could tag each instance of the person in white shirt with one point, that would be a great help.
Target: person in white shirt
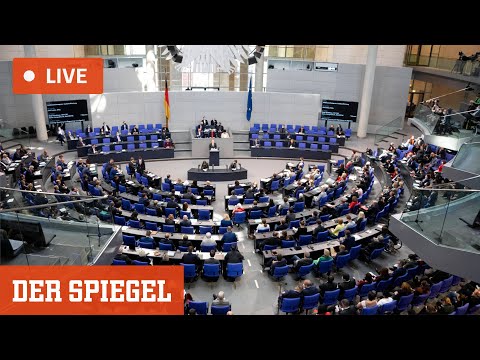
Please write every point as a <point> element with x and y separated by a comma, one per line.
<point>387,298</point>
<point>263,226</point>
<point>225,135</point>
<point>118,138</point>
<point>60,135</point>
<point>6,160</point>
<point>207,240</point>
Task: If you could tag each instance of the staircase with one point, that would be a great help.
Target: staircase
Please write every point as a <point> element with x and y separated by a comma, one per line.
<point>183,143</point>
<point>241,143</point>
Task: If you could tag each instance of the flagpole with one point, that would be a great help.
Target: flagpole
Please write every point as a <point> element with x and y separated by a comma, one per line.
<point>166,89</point>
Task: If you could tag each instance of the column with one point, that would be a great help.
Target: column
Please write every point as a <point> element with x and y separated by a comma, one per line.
<point>150,73</point>
<point>259,74</point>
<point>37,102</point>
<point>367,91</point>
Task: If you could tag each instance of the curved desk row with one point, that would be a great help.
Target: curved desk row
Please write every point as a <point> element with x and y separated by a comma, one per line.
<point>325,146</point>
<point>216,174</point>
<point>290,153</point>
<point>300,137</point>
<point>99,140</point>
<point>119,146</point>
<point>146,154</point>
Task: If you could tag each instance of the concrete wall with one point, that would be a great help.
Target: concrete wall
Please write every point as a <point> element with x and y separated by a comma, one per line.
<point>15,110</point>
<point>387,55</point>
<point>188,108</point>
<point>390,91</point>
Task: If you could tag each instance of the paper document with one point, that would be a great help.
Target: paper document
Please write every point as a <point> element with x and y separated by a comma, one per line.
<point>172,253</point>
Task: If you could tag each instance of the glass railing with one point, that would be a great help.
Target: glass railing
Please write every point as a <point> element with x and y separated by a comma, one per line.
<point>445,215</point>
<point>388,129</point>
<point>25,134</point>
<point>468,157</point>
<point>39,228</point>
<point>425,115</point>
<point>467,68</point>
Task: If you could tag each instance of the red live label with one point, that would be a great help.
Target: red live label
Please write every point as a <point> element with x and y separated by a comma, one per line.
<point>57,76</point>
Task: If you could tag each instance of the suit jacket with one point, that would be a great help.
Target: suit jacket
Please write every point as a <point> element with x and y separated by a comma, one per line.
<point>303,262</point>
<point>190,258</point>
<point>348,311</point>
<point>131,167</point>
<point>124,127</point>
<point>327,287</point>
<point>280,263</point>
<point>172,205</point>
<point>186,223</point>
<point>229,237</point>
<point>233,257</point>
<point>212,146</point>
<point>141,166</point>
<point>211,261</point>
<point>312,290</point>
<point>349,242</point>
<point>346,285</point>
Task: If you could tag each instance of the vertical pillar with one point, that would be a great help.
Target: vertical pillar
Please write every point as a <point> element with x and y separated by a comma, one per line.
<point>150,73</point>
<point>367,91</point>
<point>259,74</point>
<point>37,102</point>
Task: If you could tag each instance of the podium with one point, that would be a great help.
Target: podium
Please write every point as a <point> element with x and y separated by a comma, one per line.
<point>214,158</point>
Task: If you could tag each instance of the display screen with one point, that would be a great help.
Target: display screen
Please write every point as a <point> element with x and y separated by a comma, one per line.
<point>337,110</point>
<point>67,111</point>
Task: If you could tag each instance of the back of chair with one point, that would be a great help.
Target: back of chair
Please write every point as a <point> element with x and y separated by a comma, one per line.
<point>290,305</point>
<point>190,271</point>
<point>211,270</point>
<point>404,302</point>
<point>435,289</point>
<point>310,301</point>
<point>136,262</point>
<point>388,307</point>
<point>350,293</point>
<point>207,248</point>
<point>304,240</point>
<point>366,288</point>
<point>305,270</point>
<point>280,271</point>
<point>200,306</point>
<point>331,297</point>
<point>151,226</point>
<point>119,262</point>
<point>203,214</point>
<point>220,309</point>
<point>342,260</point>
<point>168,228</point>
<point>325,266</point>
<point>235,270</point>
<point>370,310</point>
<point>446,284</point>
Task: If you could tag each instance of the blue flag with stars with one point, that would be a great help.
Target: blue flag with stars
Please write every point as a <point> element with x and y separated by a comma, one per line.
<point>249,101</point>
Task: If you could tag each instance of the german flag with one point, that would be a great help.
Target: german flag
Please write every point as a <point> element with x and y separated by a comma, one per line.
<point>166,103</point>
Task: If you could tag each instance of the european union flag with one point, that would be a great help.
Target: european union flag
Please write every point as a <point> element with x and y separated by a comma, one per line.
<point>249,101</point>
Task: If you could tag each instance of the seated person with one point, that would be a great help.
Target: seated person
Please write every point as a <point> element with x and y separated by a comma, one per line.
<point>340,227</point>
<point>234,165</point>
<point>280,261</point>
<point>134,130</point>
<point>298,262</point>
<point>204,166</point>
<point>148,238</point>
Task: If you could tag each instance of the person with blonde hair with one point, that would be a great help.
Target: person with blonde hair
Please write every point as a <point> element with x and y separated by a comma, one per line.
<point>226,221</point>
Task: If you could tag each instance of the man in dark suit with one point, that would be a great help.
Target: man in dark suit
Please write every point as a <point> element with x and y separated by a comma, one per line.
<point>185,221</point>
<point>185,242</point>
<point>189,195</point>
<point>171,204</point>
<point>124,126</point>
<point>327,286</point>
<point>290,294</point>
<point>168,241</point>
<point>121,256</point>
<point>340,207</point>
<point>106,129</point>
<point>290,215</point>
<point>30,175</point>
<point>191,258</point>
<point>346,284</point>
<point>349,240</point>
<point>345,308</point>
<point>132,166</point>
<point>297,262</point>
<point>211,259</point>
<point>318,229</point>
<point>140,165</point>
<point>282,226</point>
<point>229,236</point>
<point>254,207</point>
<point>249,194</point>
<point>279,262</point>
<point>168,180</point>
<point>233,257</point>
<point>308,288</point>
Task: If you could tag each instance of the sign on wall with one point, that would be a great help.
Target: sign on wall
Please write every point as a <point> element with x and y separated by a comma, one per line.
<point>67,111</point>
<point>338,110</point>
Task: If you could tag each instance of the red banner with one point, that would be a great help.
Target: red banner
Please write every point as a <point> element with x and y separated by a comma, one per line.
<point>91,290</point>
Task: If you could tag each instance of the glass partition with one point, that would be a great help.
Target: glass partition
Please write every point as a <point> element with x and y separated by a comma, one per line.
<point>425,115</point>
<point>468,156</point>
<point>388,129</point>
<point>445,215</point>
<point>41,228</point>
<point>26,134</point>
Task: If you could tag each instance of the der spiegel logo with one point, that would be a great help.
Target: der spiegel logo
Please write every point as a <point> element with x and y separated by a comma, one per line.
<point>57,76</point>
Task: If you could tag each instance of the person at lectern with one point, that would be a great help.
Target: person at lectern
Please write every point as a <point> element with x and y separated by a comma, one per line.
<point>212,145</point>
